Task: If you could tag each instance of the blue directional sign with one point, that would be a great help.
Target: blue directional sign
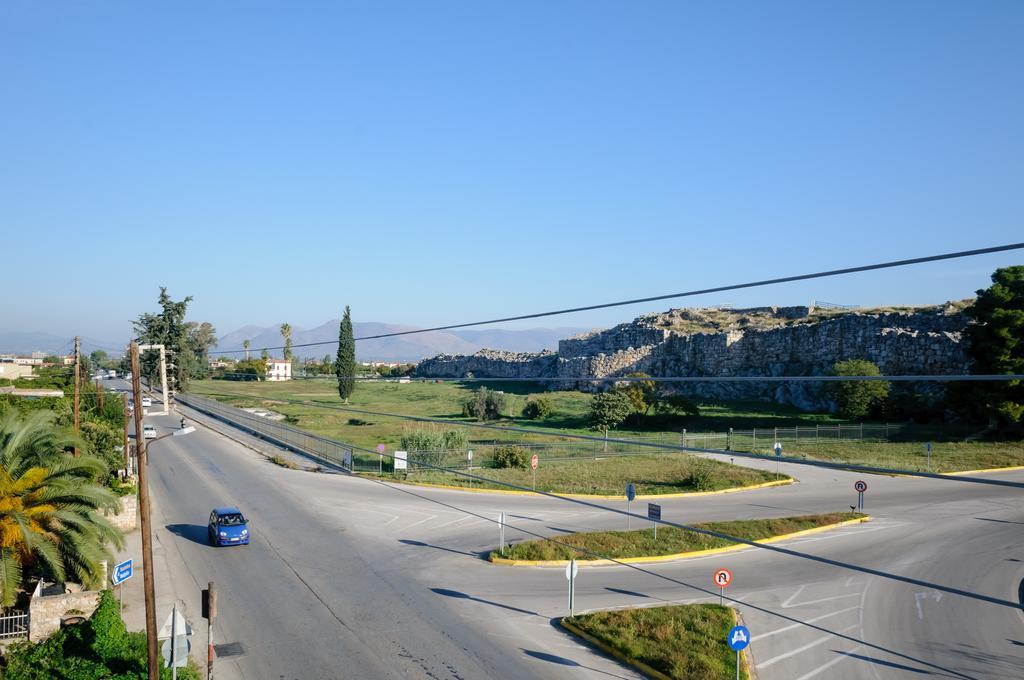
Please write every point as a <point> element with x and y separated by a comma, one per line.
<point>630,491</point>
<point>122,572</point>
<point>653,511</point>
<point>739,638</point>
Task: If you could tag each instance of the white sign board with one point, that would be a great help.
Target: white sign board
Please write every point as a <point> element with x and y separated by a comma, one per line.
<point>181,626</point>
<point>571,570</point>
<point>400,460</point>
<point>348,458</point>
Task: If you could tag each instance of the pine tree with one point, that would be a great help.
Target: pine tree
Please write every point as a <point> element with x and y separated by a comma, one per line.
<point>345,366</point>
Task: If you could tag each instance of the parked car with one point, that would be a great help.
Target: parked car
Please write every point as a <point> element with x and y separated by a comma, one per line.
<point>228,526</point>
<point>149,432</point>
<point>146,402</point>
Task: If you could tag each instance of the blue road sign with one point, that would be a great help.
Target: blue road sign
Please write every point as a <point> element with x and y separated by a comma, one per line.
<point>630,491</point>
<point>739,638</point>
<point>653,511</point>
<point>122,572</point>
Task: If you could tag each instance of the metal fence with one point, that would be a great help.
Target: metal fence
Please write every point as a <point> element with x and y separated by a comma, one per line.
<point>313,445</point>
<point>13,624</point>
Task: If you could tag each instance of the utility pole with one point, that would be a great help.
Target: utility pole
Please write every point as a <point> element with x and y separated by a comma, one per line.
<point>127,452</point>
<point>144,514</point>
<point>78,362</point>
<point>210,612</point>
<point>99,394</point>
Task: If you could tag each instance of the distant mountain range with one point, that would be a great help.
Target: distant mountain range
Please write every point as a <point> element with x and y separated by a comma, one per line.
<point>25,343</point>
<point>399,348</point>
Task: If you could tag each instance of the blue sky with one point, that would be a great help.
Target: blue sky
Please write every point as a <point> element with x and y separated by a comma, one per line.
<point>438,162</point>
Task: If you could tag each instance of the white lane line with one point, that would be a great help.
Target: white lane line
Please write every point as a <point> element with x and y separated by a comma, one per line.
<point>415,524</point>
<point>824,667</point>
<point>792,597</point>
<point>454,521</point>
<point>804,648</point>
<point>802,623</point>
<point>824,599</point>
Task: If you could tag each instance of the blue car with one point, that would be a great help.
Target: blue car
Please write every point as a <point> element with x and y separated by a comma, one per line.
<point>228,526</point>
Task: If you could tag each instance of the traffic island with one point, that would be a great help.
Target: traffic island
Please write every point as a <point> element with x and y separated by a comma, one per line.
<point>672,543</point>
<point>653,476</point>
<point>678,642</point>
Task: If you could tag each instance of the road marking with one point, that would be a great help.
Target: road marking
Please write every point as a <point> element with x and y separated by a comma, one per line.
<point>415,524</point>
<point>802,623</point>
<point>787,605</point>
<point>455,521</point>
<point>804,648</point>
<point>824,667</point>
<point>934,594</point>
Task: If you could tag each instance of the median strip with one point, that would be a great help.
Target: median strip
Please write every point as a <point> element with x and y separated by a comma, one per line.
<point>673,543</point>
<point>677,642</point>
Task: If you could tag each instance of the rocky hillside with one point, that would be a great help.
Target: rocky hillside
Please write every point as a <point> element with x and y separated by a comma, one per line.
<point>763,341</point>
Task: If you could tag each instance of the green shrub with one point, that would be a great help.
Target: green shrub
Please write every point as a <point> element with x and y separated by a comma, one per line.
<point>511,457</point>
<point>700,476</point>
<point>485,404</point>
<point>99,649</point>
<point>537,407</point>
<point>433,446</point>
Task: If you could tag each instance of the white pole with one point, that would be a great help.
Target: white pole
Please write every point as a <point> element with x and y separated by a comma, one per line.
<point>572,585</point>
<point>501,534</point>
<point>627,513</point>
<point>174,640</point>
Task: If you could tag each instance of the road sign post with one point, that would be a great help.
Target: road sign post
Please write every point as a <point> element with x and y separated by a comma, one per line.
<point>722,577</point>
<point>630,495</point>
<point>501,534</point>
<point>380,458</point>
<point>860,486</point>
<point>928,446</point>
<point>738,639</point>
<point>778,455</point>
<point>469,459</point>
<point>122,572</point>
<point>570,573</point>
<point>654,514</point>
<point>210,613</point>
<point>534,460</point>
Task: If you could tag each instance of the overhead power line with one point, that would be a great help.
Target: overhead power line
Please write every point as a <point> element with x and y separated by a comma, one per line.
<point>870,469</point>
<point>654,298</point>
<point>966,377</point>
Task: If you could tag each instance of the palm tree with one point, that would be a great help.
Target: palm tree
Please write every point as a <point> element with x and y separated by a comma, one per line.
<point>286,333</point>
<point>50,506</point>
<point>245,345</point>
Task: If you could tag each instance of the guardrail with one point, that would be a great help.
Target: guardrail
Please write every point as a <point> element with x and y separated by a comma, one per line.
<point>313,445</point>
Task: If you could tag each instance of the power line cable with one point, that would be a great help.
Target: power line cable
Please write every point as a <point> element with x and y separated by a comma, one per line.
<point>869,469</point>
<point>966,377</point>
<point>703,291</point>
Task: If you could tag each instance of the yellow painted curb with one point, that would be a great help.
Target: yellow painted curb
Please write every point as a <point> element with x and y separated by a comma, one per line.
<point>977,472</point>
<point>675,556</point>
<point>636,663</point>
<point>514,492</point>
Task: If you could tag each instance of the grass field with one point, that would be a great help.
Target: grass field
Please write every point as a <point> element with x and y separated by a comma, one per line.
<point>682,641</point>
<point>660,474</point>
<point>323,414</point>
<point>670,541</point>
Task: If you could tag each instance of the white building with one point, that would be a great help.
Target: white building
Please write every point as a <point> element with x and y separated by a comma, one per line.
<point>279,369</point>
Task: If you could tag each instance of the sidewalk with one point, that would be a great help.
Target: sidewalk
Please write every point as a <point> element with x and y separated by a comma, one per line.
<point>173,586</point>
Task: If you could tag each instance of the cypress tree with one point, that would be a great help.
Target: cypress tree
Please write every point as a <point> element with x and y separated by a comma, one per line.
<point>345,364</point>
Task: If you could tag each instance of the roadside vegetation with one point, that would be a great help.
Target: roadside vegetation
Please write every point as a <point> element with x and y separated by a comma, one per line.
<point>652,475</point>
<point>680,641</point>
<point>100,647</point>
<point>670,541</point>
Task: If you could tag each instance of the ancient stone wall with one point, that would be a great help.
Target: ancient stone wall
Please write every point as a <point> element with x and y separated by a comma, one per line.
<point>921,342</point>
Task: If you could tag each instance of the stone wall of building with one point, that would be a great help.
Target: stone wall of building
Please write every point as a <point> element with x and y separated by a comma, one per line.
<point>127,519</point>
<point>46,612</point>
<point>927,341</point>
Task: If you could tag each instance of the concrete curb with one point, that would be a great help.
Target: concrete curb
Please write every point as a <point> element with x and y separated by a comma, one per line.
<point>676,556</point>
<point>636,663</point>
<point>514,492</point>
<point>982,471</point>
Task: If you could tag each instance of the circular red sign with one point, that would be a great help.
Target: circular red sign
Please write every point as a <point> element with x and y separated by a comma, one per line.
<point>533,461</point>
<point>723,577</point>
<point>860,486</point>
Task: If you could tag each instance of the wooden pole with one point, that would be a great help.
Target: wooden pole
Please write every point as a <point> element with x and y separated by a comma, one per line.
<point>144,516</point>
<point>127,451</point>
<point>211,619</point>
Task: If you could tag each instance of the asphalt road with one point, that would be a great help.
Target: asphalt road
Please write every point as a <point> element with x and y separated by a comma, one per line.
<point>351,578</point>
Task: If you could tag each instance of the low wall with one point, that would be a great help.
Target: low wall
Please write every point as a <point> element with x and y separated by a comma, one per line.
<point>45,612</point>
<point>127,519</point>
